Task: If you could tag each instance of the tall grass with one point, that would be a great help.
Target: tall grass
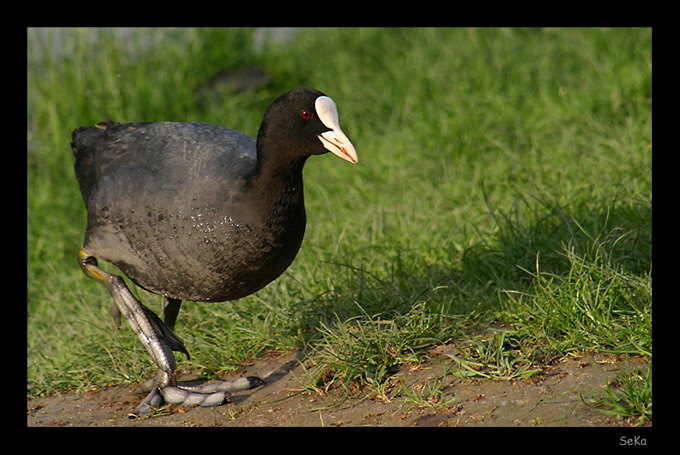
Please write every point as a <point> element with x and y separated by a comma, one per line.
<point>504,177</point>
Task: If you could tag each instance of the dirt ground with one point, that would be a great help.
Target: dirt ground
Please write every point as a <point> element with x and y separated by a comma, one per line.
<point>550,398</point>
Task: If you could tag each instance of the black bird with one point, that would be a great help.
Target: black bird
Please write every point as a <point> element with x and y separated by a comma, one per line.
<point>193,211</point>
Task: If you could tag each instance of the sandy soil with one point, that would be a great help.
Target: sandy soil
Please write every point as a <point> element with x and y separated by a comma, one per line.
<point>548,399</point>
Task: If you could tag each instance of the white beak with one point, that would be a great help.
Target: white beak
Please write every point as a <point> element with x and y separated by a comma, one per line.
<point>334,140</point>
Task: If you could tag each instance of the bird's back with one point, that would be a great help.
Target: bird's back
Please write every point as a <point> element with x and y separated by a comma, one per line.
<point>173,157</point>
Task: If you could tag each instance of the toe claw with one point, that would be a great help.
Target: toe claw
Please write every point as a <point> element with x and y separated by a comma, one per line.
<point>254,381</point>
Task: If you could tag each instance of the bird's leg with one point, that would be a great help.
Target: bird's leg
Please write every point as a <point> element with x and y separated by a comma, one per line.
<point>159,340</point>
<point>156,337</point>
<point>170,311</point>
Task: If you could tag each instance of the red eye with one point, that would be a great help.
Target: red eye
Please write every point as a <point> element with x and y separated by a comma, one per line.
<point>305,114</point>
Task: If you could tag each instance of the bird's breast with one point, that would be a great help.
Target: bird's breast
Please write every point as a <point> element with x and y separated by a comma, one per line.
<point>203,255</point>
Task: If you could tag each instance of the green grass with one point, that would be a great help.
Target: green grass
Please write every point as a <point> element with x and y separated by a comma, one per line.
<point>630,395</point>
<point>504,180</point>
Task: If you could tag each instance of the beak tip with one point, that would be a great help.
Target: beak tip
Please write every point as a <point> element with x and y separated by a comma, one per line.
<point>338,144</point>
<point>350,155</point>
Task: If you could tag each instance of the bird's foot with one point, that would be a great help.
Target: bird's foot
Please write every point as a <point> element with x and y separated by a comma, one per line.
<point>189,394</point>
<point>159,340</point>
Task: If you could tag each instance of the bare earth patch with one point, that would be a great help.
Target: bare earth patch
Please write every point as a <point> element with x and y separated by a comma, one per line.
<point>550,398</point>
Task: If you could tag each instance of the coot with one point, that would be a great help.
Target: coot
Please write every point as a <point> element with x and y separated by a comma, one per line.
<point>193,211</point>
